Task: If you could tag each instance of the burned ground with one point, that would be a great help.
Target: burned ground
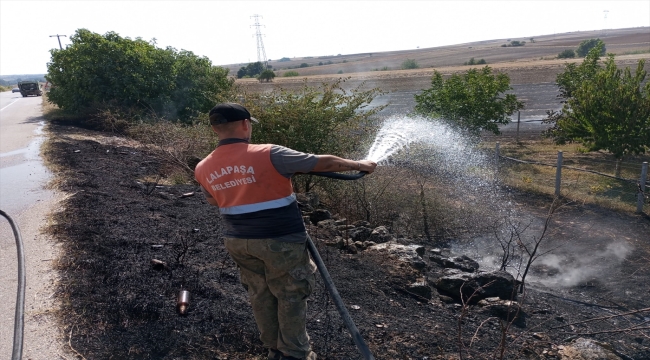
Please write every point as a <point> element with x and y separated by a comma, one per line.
<point>116,304</point>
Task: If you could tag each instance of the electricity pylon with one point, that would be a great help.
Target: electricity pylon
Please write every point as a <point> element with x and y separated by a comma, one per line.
<point>261,54</point>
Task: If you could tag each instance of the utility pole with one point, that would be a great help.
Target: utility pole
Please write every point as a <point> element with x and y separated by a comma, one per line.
<point>605,21</point>
<point>261,54</point>
<point>58,37</point>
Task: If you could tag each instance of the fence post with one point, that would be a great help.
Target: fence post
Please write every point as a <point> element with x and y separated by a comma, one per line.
<point>558,173</point>
<point>518,121</point>
<point>640,196</point>
<point>496,157</point>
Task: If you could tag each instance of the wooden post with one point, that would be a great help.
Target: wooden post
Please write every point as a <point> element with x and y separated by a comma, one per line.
<point>518,121</point>
<point>558,173</point>
<point>496,157</point>
<point>640,196</point>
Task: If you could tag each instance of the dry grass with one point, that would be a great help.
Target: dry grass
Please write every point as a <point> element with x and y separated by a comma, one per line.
<point>618,194</point>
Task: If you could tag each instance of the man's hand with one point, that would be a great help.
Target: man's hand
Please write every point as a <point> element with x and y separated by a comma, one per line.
<point>367,166</point>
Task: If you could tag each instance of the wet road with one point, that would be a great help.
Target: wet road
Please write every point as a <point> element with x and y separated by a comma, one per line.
<point>22,174</point>
<point>23,197</point>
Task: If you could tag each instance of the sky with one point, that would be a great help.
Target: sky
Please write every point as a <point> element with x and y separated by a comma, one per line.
<point>224,31</point>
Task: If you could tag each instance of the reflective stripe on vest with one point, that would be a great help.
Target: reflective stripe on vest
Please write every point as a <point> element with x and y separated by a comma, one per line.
<point>242,179</point>
<point>273,204</point>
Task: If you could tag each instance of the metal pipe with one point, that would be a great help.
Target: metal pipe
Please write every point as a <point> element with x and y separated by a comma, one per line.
<point>329,284</point>
<point>19,318</point>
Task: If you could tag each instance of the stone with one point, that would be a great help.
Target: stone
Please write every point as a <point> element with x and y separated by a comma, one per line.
<point>507,310</point>
<point>360,233</point>
<point>308,199</point>
<point>362,223</point>
<point>478,286</point>
<point>409,254</point>
<point>420,288</point>
<point>462,262</point>
<point>319,215</point>
<point>380,235</point>
<point>582,348</point>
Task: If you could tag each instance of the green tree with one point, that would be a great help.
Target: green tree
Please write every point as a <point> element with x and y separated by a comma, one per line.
<point>250,70</point>
<point>410,64</point>
<point>473,101</point>
<point>266,75</point>
<point>566,54</point>
<point>320,120</point>
<point>96,70</point>
<point>586,45</point>
<point>607,109</point>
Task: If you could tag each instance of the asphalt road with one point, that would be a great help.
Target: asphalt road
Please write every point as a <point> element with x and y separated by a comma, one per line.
<point>538,98</point>
<point>23,196</point>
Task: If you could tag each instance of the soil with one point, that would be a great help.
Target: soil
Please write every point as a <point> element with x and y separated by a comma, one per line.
<point>115,304</point>
<point>119,216</point>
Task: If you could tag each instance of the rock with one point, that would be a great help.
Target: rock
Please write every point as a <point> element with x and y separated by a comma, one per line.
<point>361,223</point>
<point>308,199</point>
<point>462,262</point>
<point>338,242</point>
<point>319,215</point>
<point>479,286</point>
<point>436,251</point>
<point>340,222</point>
<point>446,299</point>
<point>329,223</point>
<point>345,227</point>
<point>360,233</point>
<point>420,289</point>
<point>409,254</point>
<point>509,311</point>
<point>582,349</point>
<point>359,245</point>
<point>352,249</point>
<point>380,235</point>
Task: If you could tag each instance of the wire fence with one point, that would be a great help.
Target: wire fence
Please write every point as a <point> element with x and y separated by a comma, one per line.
<point>630,191</point>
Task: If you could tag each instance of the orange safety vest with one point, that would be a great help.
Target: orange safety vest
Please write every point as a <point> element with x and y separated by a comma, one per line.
<point>242,179</point>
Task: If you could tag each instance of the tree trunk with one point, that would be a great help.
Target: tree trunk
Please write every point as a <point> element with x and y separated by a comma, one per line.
<point>617,172</point>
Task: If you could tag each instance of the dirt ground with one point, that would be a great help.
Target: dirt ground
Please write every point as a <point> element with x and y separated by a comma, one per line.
<point>116,304</point>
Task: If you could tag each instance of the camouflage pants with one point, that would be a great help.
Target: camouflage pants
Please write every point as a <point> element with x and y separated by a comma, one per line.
<point>279,276</point>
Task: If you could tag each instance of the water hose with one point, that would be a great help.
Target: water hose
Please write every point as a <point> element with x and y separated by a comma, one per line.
<point>19,318</point>
<point>339,176</point>
<point>329,284</point>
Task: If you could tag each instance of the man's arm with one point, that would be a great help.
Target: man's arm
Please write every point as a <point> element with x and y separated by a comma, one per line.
<point>334,163</point>
<point>209,197</point>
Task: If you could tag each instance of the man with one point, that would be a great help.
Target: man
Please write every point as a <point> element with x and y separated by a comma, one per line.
<point>264,230</point>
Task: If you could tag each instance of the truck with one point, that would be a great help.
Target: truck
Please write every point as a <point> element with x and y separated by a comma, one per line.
<point>30,88</point>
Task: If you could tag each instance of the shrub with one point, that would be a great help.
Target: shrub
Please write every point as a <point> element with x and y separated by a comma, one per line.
<point>290,74</point>
<point>410,64</point>
<point>304,65</point>
<point>318,120</point>
<point>266,75</point>
<point>586,45</point>
<point>474,62</point>
<point>567,54</point>
<point>96,69</point>
<point>340,72</point>
<point>284,59</point>
<point>472,102</point>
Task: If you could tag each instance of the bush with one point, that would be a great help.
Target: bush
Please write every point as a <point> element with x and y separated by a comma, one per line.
<point>472,102</point>
<point>266,75</point>
<point>290,74</point>
<point>97,69</point>
<point>474,62</point>
<point>304,65</point>
<point>318,120</point>
<point>250,70</point>
<point>410,64</point>
<point>567,54</point>
<point>284,59</point>
<point>340,72</point>
<point>586,45</point>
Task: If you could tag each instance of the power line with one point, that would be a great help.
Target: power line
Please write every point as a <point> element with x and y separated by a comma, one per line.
<point>58,37</point>
<point>261,54</point>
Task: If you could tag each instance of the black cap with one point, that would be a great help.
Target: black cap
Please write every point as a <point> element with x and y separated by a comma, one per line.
<point>228,112</point>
